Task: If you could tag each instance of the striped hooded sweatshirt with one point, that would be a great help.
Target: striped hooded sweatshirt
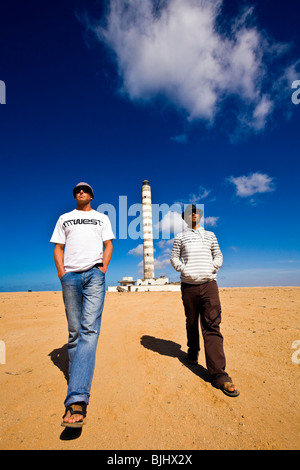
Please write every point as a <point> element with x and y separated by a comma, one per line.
<point>197,255</point>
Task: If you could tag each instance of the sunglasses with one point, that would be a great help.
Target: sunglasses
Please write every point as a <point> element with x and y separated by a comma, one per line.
<point>85,189</point>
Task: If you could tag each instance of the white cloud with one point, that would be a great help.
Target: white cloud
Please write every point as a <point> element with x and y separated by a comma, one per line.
<point>165,243</point>
<point>175,49</point>
<point>254,183</point>
<point>180,139</point>
<point>161,263</point>
<point>261,113</point>
<point>211,221</point>
<point>195,198</point>
<point>171,223</point>
<point>137,251</point>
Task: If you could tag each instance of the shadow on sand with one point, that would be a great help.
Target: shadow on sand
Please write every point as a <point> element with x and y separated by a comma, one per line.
<point>60,359</point>
<point>69,434</point>
<point>165,347</point>
<point>171,349</point>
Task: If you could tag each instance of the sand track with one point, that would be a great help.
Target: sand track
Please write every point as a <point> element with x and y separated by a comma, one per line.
<point>144,395</point>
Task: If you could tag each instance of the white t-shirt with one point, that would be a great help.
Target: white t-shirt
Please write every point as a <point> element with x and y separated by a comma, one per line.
<point>83,234</point>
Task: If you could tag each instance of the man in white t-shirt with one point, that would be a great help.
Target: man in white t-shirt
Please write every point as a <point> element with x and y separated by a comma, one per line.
<point>83,250</point>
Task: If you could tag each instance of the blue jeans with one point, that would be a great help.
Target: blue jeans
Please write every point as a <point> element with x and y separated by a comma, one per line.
<point>83,294</point>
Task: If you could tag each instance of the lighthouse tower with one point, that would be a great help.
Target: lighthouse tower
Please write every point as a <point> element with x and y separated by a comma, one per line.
<point>147,231</point>
<point>149,283</point>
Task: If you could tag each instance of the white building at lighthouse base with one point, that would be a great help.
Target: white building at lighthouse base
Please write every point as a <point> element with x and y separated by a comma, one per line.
<point>160,284</point>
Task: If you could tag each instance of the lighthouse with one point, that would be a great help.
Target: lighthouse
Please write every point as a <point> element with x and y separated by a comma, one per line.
<point>149,283</point>
<point>148,257</point>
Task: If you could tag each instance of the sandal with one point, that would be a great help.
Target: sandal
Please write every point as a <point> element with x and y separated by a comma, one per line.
<point>234,393</point>
<point>76,424</point>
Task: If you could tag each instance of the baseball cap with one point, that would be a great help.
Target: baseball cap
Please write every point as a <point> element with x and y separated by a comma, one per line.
<point>85,186</point>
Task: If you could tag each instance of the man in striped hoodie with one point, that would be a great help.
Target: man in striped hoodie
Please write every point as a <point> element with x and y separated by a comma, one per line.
<point>197,255</point>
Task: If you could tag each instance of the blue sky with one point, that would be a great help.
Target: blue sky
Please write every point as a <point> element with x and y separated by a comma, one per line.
<point>193,96</point>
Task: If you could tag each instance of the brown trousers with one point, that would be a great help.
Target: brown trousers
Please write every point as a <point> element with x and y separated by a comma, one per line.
<point>202,301</point>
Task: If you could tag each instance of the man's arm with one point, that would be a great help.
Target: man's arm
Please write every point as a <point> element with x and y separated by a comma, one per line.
<point>107,254</point>
<point>176,255</point>
<point>59,259</point>
<point>216,254</point>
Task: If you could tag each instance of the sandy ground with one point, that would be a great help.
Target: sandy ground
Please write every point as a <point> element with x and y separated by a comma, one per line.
<point>144,395</point>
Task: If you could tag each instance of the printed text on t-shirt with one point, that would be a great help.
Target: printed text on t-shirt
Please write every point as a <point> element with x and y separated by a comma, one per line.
<point>82,221</point>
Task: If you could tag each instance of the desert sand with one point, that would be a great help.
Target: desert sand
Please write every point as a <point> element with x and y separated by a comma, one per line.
<point>144,395</point>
